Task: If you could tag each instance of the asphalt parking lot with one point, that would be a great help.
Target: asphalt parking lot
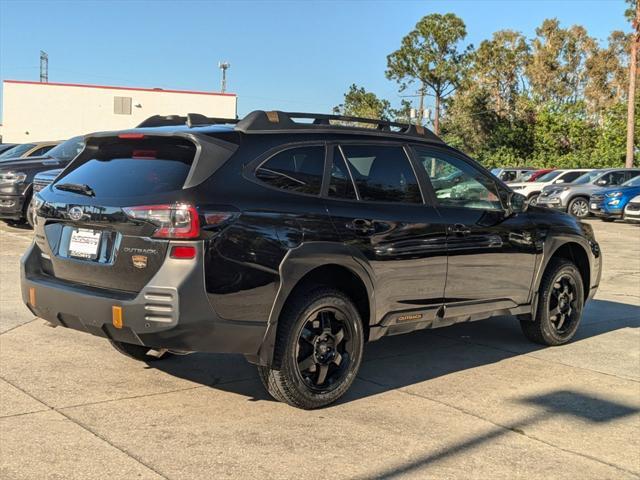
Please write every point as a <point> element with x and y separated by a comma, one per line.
<point>470,401</point>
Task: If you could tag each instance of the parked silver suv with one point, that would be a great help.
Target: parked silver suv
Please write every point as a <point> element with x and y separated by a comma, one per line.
<point>574,197</point>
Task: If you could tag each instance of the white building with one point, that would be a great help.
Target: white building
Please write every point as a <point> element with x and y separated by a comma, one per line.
<point>35,111</point>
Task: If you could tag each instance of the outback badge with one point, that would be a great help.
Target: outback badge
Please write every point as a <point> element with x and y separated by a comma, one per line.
<point>139,261</point>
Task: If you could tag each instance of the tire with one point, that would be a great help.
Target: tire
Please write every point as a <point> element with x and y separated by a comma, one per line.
<point>533,199</point>
<point>137,352</point>
<point>318,350</point>
<point>578,207</point>
<point>28,214</point>
<point>561,291</point>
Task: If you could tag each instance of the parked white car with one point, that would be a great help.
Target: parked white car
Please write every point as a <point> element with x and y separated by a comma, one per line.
<point>632,210</point>
<point>531,190</point>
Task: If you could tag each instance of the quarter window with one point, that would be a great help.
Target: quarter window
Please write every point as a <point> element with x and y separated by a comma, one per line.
<point>382,173</point>
<point>458,184</point>
<point>340,185</point>
<point>296,170</point>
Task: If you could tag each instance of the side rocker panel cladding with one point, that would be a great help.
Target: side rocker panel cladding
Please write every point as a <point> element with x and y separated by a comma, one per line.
<point>298,263</point>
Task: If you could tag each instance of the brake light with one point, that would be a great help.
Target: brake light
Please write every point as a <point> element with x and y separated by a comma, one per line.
<point>171,221</point>
<point>131,136</point>
<point>183,252</point>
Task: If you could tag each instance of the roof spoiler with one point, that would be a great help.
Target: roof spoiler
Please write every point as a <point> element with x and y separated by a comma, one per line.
<point>191,120</point>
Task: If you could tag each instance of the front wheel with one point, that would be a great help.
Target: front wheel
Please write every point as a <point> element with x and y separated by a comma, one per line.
<point>318,348</point>
<point>533,199</point>
<point>560,302</point>
<point>579,207</point>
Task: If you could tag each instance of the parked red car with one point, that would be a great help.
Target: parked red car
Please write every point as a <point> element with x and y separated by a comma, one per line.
<point>534,174</point>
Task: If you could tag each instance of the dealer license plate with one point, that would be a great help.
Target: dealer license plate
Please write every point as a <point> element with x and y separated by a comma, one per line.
<point>84,243</point>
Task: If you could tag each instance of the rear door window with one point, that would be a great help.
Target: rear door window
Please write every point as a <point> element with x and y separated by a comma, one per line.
<point>382,173</point>
<point>41,151</point>
<point>298,169</point>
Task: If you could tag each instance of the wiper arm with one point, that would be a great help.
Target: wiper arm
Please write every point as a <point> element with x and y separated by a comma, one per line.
<point>76,188</point>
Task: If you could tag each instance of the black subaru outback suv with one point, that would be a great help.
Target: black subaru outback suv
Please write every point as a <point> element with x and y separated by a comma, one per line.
<point>294,239</point>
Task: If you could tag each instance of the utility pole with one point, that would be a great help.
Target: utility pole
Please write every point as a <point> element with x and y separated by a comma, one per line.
<point>631,97</point>
<point>44,67</point>
<point>420,116</point>
<point>224,66</point>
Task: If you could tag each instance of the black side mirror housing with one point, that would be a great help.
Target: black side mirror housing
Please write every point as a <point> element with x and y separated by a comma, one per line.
<point>517,203</point>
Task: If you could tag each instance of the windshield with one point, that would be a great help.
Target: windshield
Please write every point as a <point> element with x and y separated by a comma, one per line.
<point>634,182</point>
<point>547,177</point>
<point>17,151</point>
<point>67,150</point>
<point>526,176</point>
<point>588,177</point>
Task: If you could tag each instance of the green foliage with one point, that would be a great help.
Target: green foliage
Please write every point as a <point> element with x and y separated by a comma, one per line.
<point>360,103</point>
<point>557,100</point>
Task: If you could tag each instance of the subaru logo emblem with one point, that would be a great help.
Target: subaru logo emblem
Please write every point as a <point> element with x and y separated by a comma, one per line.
<point>76,213</point>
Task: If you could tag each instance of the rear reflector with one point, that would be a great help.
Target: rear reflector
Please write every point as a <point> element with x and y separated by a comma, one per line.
<point>116,316</point>
<point>183,252</point>
<point>32,296</point>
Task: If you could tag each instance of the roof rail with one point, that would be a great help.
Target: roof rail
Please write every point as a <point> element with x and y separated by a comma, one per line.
<point>191,120</point>
<point>260,121</point>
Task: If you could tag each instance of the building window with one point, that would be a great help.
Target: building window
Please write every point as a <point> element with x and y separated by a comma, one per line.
<point>122,105</point>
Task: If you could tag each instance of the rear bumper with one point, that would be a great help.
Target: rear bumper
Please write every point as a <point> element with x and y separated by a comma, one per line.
<point>172,311</point>
<point>11,206</point>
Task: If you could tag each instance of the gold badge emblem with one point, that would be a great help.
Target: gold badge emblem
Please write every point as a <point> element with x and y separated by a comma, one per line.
<point>139,261</point>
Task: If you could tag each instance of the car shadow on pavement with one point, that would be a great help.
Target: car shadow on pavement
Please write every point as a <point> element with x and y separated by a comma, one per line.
<point>404,360</point>
<point>549,406</point>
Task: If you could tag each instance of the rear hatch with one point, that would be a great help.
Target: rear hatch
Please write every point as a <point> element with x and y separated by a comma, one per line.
<point>107,220</point>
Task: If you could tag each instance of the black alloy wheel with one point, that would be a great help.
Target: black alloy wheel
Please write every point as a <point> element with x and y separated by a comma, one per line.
<point>579,207</point>
<point>325,349</point>
<point>318,349</point>
<point>560,303</point>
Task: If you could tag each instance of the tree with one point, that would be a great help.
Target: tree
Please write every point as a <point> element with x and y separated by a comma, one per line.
<point>499,67</point>
<point>557,71</point>
<point>633,73</point>
<point>360,103</point>
<point>429,55</point>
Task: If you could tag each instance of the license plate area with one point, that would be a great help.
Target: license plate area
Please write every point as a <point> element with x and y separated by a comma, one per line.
<point>594,206</point>
<point>84,243</point>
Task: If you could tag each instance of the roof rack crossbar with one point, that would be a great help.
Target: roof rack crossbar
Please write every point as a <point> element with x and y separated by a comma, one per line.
<point>262,121</point>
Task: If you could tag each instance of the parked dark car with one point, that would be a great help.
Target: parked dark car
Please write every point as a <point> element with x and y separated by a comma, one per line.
<point>6,146</point>
<point>27,150</point>
<point>16,177</point>
<point>293,243</point>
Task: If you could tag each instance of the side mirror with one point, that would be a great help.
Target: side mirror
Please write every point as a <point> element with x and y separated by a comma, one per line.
<point>516,203</point>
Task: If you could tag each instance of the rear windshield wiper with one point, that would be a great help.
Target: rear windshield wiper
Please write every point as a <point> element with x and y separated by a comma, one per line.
<point>76,188</point>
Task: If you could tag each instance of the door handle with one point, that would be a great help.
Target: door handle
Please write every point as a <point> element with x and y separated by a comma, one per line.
<point>459,229</point>
<point>362,226</point>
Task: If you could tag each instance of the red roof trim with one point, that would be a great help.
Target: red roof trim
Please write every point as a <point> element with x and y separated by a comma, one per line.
<point>160,90</point>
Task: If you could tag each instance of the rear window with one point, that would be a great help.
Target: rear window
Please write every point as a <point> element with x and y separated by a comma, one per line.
<point>134,169</point>
<point>17,151</point>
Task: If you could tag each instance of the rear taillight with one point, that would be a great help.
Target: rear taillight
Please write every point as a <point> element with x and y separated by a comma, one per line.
<point>171,221</point>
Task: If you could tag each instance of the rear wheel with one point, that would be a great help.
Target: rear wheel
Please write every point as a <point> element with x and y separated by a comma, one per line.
<point>560,302</point>
<point>138,352</point>
<point>579,207</point>
<point>319,350</point>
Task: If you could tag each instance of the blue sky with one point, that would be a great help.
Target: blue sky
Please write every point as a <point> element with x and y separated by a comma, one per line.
<point>289,55</point>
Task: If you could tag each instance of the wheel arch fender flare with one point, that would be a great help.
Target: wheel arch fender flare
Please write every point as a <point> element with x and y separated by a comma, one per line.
<point>297,264</point>
<point>563,246</point>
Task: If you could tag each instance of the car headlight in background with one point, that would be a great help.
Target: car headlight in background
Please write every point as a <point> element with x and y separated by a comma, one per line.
<point>12,178</point>
<point>614,194</point>
<point>613,202</point>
